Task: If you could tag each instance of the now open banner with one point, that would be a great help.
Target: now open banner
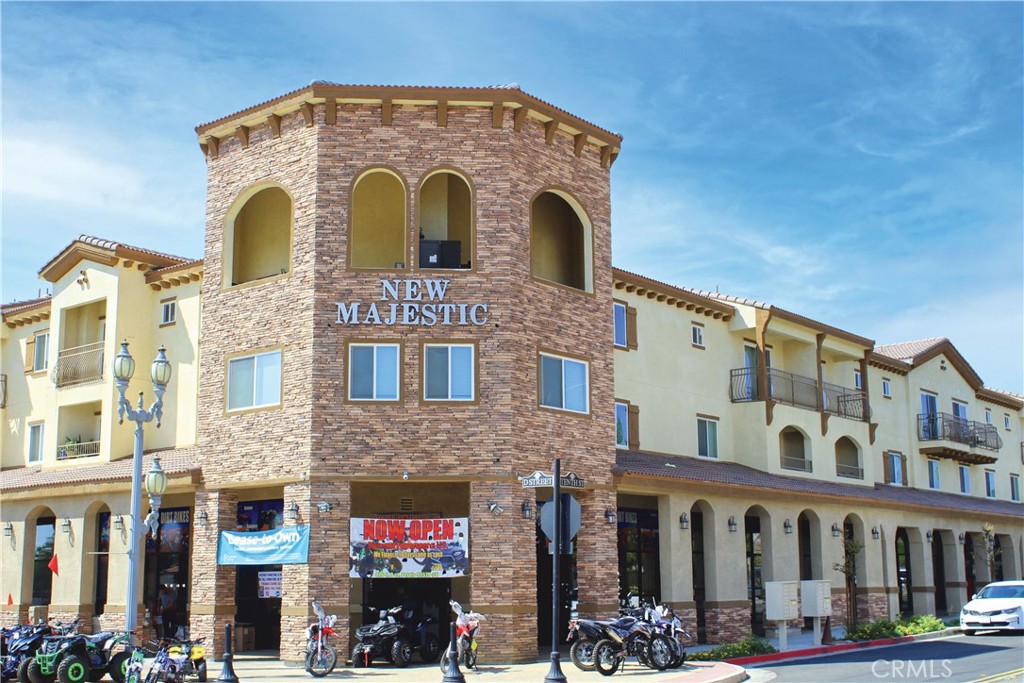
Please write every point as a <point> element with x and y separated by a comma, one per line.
<point>284,545</point>
<point>408,548</point>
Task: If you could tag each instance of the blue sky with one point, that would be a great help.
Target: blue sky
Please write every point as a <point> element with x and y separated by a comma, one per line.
<point>860,164</point>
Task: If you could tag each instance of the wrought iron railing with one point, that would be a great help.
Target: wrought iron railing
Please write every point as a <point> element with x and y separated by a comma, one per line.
<point>793,390</point>
<point>789,462</point>
<point>84,449</point>
<point>3,391</point>
<point>849,471</point>
<point>946,427</point>
<point>79,365</point>
<point>743,385</point>
<point>845,402</point>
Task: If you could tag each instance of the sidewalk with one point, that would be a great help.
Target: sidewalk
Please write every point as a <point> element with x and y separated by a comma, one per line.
<point>263,667</point>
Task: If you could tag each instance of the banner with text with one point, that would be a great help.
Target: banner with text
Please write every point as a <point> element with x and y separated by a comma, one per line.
<point>285,545</point>
<point>413,548</point>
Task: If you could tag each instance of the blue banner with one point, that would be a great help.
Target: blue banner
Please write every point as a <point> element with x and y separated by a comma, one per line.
<point>285,545</point>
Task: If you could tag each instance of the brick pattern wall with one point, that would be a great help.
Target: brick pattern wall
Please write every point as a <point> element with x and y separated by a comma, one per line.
<point>213,586</point>
<point>727,624</point>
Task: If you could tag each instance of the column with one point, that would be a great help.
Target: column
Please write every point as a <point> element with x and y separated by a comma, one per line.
<point>922,574</point>
<point>212,595</point>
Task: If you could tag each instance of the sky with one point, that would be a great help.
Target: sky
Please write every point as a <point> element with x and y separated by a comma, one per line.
<point>860,164</point>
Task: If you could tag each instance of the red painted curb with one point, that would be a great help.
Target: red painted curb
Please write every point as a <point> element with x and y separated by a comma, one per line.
<point>820,650</point>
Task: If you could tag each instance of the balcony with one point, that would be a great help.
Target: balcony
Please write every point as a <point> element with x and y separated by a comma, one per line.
<point>797,390</point>
<point>75,450</point>
<point>789,462</point>
<point>956,430</point>
<point>79,365</point>
<point>845,402</point>
<point>849,471</point>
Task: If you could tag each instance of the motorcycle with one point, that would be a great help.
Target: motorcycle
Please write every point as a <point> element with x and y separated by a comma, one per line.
<point>666,622</point>
<point>584,635</point>
<point>388,638</point>
<point>320,654</point>
<point>466,626</point>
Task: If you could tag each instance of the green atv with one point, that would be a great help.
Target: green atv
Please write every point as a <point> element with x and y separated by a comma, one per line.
<point>78,658</point>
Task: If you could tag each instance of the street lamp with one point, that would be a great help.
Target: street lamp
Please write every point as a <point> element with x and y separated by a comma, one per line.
<point>123,368</point>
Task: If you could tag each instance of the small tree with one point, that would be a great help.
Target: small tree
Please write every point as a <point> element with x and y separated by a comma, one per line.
<point>848,568</point>
<point>993,553</point>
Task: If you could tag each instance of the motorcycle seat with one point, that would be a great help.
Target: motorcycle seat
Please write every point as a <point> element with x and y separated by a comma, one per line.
<point>99,637</point>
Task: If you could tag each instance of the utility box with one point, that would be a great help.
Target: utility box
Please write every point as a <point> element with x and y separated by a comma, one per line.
<point>816,598</point>
<point>781,600</point>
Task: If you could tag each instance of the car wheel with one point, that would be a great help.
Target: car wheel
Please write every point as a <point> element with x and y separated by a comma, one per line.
<point>969,631</point>
<point>401,653</point>
<point>606,657</point>
<point>582,655</point>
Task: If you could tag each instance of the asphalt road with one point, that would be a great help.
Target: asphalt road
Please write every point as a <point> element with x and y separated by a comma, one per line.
<point>989,658</point>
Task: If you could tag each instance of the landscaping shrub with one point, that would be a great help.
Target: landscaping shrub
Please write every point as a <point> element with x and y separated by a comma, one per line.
<point>751,645</point>
<point>883,628</point>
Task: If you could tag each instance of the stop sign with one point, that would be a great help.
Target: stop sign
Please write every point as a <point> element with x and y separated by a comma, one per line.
<point>571,520</point>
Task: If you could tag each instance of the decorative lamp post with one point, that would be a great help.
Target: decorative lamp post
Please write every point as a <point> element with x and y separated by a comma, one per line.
<point>123,368</point>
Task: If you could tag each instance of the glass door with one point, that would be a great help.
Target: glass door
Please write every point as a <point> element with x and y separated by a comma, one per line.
<point>929,416</point>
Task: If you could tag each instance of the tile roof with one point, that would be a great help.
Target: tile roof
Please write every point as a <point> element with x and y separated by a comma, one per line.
<point>642,463</point>
<point>174,462</point>
<point>113,246</point>
<point>18,306</point>
<point>907,351</point>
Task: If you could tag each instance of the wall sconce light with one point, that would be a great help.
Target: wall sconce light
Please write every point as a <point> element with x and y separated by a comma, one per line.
<point>65,526</point>
<point>961,538</point>
<point>836,531</point>
<point>405,475</point>
<point>324,506</point>
<point>8,530</point>
<point>875,533</point>
<point>202,518</point>
<point>527,510</point>
<point>494,508</point>
<point>732,525</point>
<point>930,535</point>
<point>292,511</point>
<point>119,523</point>
<point>610,516</point>
<point>787,526</point>
<point>684,521</point>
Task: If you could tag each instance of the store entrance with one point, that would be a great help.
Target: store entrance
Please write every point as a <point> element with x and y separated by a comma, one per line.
<point>257,596</point>
<point>427,598</point>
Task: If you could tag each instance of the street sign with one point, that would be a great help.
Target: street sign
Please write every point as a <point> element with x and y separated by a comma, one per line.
<point>539,479</point>
<point>571,521</point>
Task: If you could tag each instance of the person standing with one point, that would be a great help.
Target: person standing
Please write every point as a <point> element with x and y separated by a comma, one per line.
<point>166,603</point>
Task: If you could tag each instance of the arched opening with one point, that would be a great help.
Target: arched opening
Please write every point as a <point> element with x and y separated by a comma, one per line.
<point>445,214</point>
<point>101,568</point>
<point>377,231</point>
<point>793,450</point>
<point>560,241</point>
<point>702,524</point>
<point>939,572</point>
<point>848,459</point>
<point>904,582</point>
<point>258,237</point>
<point>757,530</point>
<point>40,529</point>
<point>1007,556</point>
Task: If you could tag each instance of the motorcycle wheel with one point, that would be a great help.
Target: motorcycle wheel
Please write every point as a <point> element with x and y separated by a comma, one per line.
<point>201,670</point>
<point>582,655</point>
<point>401,653</point>
<point>659,652</point>
<point>118,666</point>
<point>320,666</point>
<point>606,657</point>
<point>36,675</point>
<point>430,649</point>
<point>640,650</point>
<point>470,658</point>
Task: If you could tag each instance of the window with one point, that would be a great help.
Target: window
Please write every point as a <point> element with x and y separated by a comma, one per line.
<point>42,577</point>
<point>445,214</point>
<point>895,468</point>
<point>990,484</point>
<point>373,372</point>
<point>254,381</point>
<point>933,474</point>
<point>697,335</point>
<point>377,231</point>
<point>35,442</point>
<point>168,312</point>
<point>1015,488</point>
<point>258,236</point>
<point>102,568</point>
<point>965,479</point>
<point>858,380</point>
<point>1006,420</point>
<point>620,323</point>
<point>707,437</point>
<point>560,241</point>
<point>886,388</point>
<point>448,372</point>
<point>564,384</point>
<point>988,416</point>
<point>621,424</point>
<point>37,350</point>
<point>960,410</point>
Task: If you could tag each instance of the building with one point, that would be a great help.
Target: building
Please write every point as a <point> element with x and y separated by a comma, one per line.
<point>408,304</point>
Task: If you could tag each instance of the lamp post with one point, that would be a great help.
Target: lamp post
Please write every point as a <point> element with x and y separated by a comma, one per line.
<point>156,481</point>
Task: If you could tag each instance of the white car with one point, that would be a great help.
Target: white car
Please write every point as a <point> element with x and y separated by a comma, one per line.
<point>999,605</point>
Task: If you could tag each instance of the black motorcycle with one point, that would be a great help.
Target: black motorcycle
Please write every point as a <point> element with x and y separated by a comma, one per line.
<point>388,639</point>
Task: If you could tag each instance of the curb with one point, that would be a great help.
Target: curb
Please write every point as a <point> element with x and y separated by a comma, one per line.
<point>842,647</point>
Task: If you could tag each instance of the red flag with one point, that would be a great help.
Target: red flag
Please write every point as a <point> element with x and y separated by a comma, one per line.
<point>10,599</point>
<point>53,565</point>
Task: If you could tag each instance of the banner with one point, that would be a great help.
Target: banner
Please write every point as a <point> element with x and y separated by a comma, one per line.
<point>412,548</point>
<point>286,545</point>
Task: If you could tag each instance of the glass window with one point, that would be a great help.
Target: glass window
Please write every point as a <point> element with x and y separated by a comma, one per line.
<point>1006,420</point>
<point>448,373</point>
<point>254,381</point>
<point>886,388</point>
<point>965,479</point>
<point>168,312</point>
<point>707,438</point>
<point>40,361</point>
<point>622,425</point>
<point>990,484</point>
<point>1015,488</point>
<point>858,380</point>
<point>373,372</point>
<point>102,560</point>
<point>988,416</point>
<point>35,443</point>
<point>620,323</point>
<point>564,384</point>
<point>896,468</point>
<point>42,577</point>
<point>697,334</point>
<point>933,474</point>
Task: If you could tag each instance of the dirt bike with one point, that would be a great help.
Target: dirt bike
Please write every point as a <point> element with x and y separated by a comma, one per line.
<point>466,626</point>
<point>320,654</point>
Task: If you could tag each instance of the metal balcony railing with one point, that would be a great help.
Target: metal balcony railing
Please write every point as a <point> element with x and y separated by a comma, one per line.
<point>3,391</point>
<point>845,402</point>
<point>946,427</point>
<point>79,364</point>
<point>84,449</point>
<point>743,385</point>
<point>789,462</point>
<point>793,390</point>
<point>849,471</point>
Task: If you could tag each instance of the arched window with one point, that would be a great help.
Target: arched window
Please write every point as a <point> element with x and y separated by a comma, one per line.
<point>258,237</point>
<point>561,249</point>
<point>377,230</point>
<point>793,450</point>
<point>445,216</point>
<point>848,459</point>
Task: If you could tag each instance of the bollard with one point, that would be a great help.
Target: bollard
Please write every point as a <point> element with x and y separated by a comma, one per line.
<point>454,674</point>
<point>227,672</point>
